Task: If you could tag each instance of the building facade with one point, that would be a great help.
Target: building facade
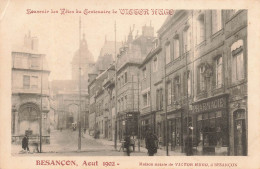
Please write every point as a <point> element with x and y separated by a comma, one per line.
<point>132,53</point>
<point>206,80</point>
<point>30,93</point>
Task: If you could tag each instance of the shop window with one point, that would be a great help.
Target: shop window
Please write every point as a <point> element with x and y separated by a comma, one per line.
<point>168,53</point>
<point>219,68</point>
<point>237,61</point>
<point>212,129</point>
<point>201,30</point>
<point>216,21</point>
<point>26,82</point>
<point>176,47</point>
<point>187,39</point>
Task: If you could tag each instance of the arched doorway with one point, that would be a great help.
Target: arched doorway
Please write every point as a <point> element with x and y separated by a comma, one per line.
<point>240,139</point>
<point>29,115</point>
<point>72,118</point>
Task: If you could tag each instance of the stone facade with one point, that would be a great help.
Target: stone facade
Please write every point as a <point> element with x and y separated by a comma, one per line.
<point>199,47</point>
<point>30,92</point>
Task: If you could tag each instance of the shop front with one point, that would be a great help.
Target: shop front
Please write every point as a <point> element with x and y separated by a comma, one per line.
<point>211,125</point>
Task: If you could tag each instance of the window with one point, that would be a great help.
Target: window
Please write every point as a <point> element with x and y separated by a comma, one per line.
<point>155,64</point>
<point>35,62</point>
<point>159,99</point>
<point>237,61</point>
<point>122,104</point>
<point>200,29</point>
<point>187,39</point>
<point>189,83</point>
<point>176,48</point>
<point>26,82</point>
<point>168,53</point>
<point>216,21</point>
<point>122,80</point>
<point>118,82</point>
<point>119,106</point>
<point>125,102</point>
<point>34,82</point>
<point>169,92</point>
<point>219,72</point>
<point>177,87</point>
<point>125,77</point>
<point>202,78</point>
<point>146,99</point>
<point>144,72</point>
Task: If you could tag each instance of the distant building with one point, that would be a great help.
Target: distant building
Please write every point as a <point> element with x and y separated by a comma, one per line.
<point>30,75</point>
<point>66,92</point>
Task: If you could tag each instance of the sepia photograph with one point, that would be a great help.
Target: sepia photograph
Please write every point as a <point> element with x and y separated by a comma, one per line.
<point>99,79</point>
<point>178,90</point>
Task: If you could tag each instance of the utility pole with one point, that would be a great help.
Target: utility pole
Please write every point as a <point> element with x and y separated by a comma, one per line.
<point>166,104</point>
<point>115,92</point>
<point>79,122</point>
<point>41,106</point>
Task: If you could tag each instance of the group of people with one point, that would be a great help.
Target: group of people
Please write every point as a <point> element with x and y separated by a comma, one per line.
<point>151,143</point>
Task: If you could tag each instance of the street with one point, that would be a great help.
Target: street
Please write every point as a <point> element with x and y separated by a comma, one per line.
<point>65,143</point>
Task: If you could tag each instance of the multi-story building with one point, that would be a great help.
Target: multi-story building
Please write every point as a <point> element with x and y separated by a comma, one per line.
<point>206,80</point>
<point>30,92</point>
<point>130,58</point>
<point>101,91</point>
<point>151,92</point>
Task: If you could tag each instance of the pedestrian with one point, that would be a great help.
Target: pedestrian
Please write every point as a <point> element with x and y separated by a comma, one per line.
<point>188,144</point>
<point>151,142</point>
<point>25,143</point>
<point>127,144</point>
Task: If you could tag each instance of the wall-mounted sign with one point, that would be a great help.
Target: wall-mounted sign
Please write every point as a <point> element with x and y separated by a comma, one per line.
<point>210,104</point>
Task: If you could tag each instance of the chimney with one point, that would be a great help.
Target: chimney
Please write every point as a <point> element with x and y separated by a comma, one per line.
<point>34,44</point>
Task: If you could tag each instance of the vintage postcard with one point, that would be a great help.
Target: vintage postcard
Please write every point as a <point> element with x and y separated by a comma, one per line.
<point>99,84</point>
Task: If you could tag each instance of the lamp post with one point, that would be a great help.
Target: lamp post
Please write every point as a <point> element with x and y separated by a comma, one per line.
<point>79,122</point>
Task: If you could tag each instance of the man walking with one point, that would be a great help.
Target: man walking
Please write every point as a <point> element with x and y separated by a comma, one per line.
<point>25,143</point>
<point>151,142</point>
<point>127,144</point>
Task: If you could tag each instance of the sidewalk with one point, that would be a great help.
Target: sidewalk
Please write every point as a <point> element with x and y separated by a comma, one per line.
<point>160,152</point>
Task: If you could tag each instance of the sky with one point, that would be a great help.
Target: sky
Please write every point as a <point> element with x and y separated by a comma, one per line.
<point>59,34</point>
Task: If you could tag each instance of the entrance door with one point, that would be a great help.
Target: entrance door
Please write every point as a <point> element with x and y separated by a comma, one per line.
<point>240,133</point>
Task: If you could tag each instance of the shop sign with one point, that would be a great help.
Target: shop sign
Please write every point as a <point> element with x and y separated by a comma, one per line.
<point>211,104</point>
